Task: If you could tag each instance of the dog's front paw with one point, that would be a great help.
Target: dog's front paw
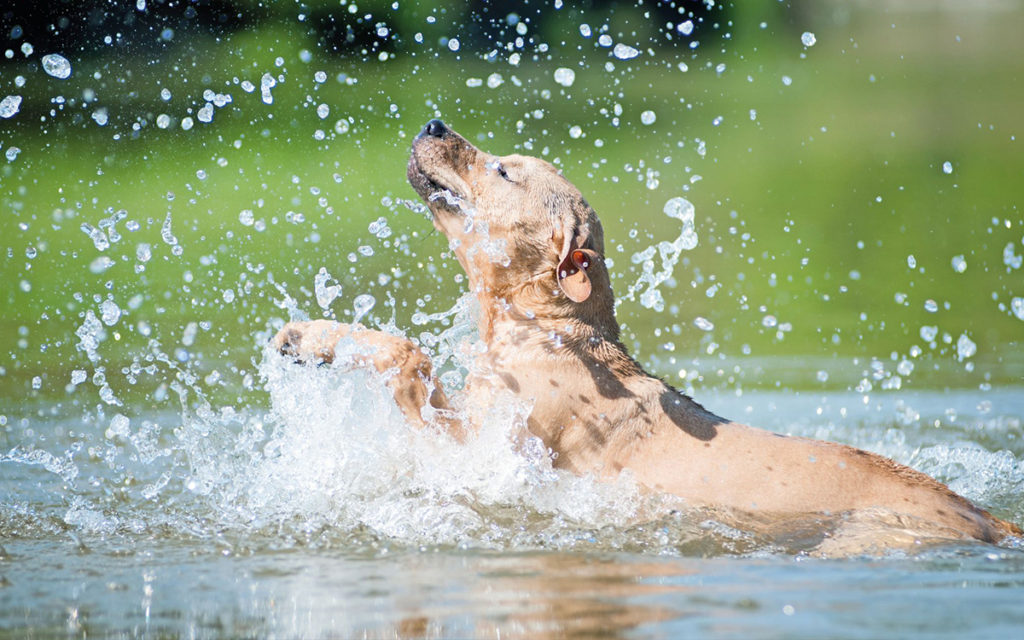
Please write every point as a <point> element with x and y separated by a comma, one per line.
<point>312,340</point>
<point>287,340</point>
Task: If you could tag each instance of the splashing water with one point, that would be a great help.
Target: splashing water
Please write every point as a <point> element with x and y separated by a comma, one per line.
<point>670,252</point>
<point>362,305</point>
<point>334,458</point>
<point>325,292</point>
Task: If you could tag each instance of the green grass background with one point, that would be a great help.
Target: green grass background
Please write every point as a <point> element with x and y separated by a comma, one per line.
<point>807,212</point>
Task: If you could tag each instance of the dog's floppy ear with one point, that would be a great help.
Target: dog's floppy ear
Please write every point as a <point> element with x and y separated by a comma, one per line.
<point>574,260</point>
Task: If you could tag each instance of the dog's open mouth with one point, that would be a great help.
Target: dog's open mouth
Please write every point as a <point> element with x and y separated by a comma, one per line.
<point>434,192</point>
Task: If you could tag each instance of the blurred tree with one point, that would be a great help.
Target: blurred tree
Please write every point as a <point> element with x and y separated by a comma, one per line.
<point>83,27</point>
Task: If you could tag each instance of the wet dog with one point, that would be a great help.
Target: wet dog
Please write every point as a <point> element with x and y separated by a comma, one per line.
<point>533,250</point>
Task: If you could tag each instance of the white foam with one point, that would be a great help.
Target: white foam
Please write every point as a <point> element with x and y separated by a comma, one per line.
<point>338,453</point>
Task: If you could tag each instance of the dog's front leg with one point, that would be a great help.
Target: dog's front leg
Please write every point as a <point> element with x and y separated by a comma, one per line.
<point>409,371</point>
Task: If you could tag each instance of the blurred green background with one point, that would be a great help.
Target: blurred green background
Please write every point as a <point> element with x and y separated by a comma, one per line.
<point>855,169</point>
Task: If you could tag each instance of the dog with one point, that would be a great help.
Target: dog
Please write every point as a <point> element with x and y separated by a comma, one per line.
<point>533,251</point>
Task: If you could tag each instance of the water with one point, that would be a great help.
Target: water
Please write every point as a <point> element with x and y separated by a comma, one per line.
<point>9,106</point>
<point>327,515</point>
<point>57,66</point>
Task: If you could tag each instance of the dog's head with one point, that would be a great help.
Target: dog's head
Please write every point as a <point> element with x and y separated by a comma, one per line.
<point>523,233</point>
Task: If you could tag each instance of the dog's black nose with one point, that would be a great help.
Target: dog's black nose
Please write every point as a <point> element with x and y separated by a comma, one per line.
<point>435,129</point>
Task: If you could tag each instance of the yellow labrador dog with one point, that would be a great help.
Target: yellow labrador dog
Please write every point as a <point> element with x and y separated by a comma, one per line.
<point>533,250</point>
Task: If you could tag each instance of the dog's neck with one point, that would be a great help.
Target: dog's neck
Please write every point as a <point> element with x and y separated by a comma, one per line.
<point>534,306</point>
<point>509,333</point>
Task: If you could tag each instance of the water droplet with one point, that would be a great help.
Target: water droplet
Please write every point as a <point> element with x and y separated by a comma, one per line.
<point>341,126</point>
<point>585,30</point>
<point>808,39</point>
<point>1017,306</point>
<point>648,117</point>
<point>931,306</point>
<point>928,333</point>
<point>1011,259</point>
<point>99,239</point>
<point>246,217</point>
<point>325,292</point>
<point>100,116</point>
<point>110,313</point>
<point>323,111</point>
<point>267,82</point>
<point>565,76</point>
<point>143,252</point>
<point>228,295</point>
<point>625,52</point>
<point>165,94</point>
<point>320,77</point>
<point>959,264</point>
<point>205,113</point>
<point>12,153</point>
<point>453,44</point>
<point>681,209</point>
<point>965,347</point>
<point>604,40</point>
<point>163,121</point>
<point>10,106</point>
<point>947,167</point>
<point>786,80</point>
<point>165,231</point>
<point>685,27</point>
<point>118,427</point>
<point>495,80</point>
<point>703,324</point>
<point>822,375</point>
<point>911,261</point>
<point>380,228</point>
<point>575,131</point>
<point>652,299</point>
<point>473,83</point>
<point>57,66</point>
<point>362,305</point>
<point>78,376</point>
<point>100,264</point>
